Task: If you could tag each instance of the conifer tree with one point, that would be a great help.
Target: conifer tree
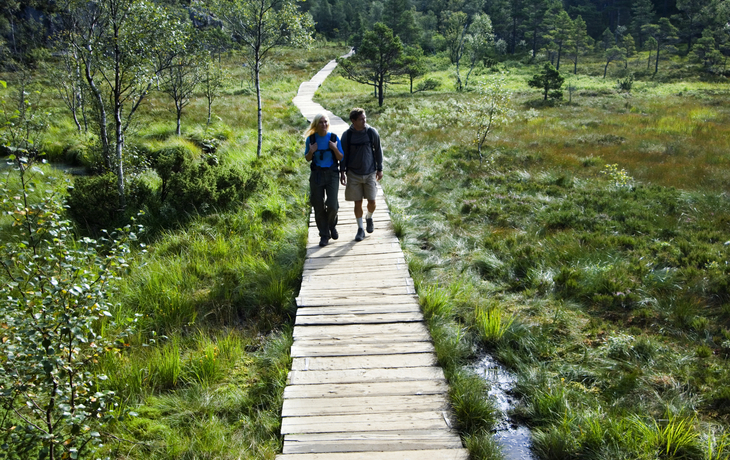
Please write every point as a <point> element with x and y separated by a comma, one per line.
<point>549,81</point>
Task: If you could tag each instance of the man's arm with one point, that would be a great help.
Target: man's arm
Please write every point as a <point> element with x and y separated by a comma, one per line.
<point>377,155</point>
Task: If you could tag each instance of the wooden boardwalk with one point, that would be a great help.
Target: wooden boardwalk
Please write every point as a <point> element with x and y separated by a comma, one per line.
<point>364,382</point>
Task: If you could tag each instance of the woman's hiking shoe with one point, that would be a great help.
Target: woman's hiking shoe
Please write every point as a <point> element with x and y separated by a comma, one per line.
<point>333,233</point>
<point>324,241</point>
<point>369,224</point>
<point>360,234</point>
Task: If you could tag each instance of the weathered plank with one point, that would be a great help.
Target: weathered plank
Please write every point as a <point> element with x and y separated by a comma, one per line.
<point>303,349</point>
<point>369,441</point>
<point>367,422</point>
<point>339,271</point>
<point>387,278</point>
<point>357,330</point>
<point>373,318</point>
<point>437,454</point>
<point>312,301</point>
<point>375,290</point>
<point>364,362</point>
<point>365,375</point>
<point>402,388</point>
<point>359,309</point>
<point>325,256</point>
<point>363,405</point>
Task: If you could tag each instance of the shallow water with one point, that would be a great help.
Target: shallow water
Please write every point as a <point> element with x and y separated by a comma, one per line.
<point>514,438</point>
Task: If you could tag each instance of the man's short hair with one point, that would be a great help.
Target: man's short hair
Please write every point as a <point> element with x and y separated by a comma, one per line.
<point>355,113</point>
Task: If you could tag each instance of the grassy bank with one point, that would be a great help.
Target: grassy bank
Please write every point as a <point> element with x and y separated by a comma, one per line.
<point>209,296</point>
<point>604,288</point>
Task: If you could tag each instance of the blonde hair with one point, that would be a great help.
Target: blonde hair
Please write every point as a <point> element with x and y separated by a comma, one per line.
<point>315,122</point>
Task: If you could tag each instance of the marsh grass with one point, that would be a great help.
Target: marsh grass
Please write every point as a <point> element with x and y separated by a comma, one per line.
<point>492,323</point>
<point>210,298</point>
<point>617,288</point>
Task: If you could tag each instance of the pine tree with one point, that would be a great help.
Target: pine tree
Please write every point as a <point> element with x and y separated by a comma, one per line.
<point>549,80</point>
<point>642,14</point>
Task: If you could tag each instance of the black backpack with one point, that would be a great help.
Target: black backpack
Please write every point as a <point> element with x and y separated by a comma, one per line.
<point>336,163</point>
<point>371,136</point>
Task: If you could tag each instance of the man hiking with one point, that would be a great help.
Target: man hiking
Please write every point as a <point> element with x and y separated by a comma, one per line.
<point>361,167</point>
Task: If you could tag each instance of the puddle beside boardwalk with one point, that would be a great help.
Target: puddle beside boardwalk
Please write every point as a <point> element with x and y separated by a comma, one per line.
<point>514,438</point>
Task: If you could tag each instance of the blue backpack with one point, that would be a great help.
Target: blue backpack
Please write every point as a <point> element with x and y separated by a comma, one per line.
<point>335,164</point>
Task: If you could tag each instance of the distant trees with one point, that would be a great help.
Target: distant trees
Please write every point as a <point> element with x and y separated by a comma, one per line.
<point>580,42</point>
<point>664,35</point>
<point>377,61</point>
<point>560,31</point>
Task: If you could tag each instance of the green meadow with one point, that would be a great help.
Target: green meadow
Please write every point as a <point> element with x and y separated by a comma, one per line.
<point>588,252</point>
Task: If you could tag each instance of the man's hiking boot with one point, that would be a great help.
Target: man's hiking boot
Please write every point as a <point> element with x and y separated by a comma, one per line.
<point>360,234</point>
<point>333,233</point>
<point>324,241</point>
<point>369,224</point>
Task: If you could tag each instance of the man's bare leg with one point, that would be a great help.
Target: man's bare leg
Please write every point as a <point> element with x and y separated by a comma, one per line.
<point>369,216</point>
<point>358,215</point>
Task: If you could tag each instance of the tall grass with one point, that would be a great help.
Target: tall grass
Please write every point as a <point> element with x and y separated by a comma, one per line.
<point>607,297</point>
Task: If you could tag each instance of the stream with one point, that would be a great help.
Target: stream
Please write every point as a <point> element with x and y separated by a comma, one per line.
<point>512,437</point>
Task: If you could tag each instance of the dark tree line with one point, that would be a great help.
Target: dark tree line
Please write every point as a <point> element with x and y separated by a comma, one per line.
<point>528,26</point>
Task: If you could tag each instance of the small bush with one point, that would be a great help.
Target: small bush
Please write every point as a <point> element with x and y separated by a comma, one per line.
<point>93,201</point>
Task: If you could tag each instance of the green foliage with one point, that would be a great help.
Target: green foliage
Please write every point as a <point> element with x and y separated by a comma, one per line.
<point>492,323</point>
<point>56,298</point>
<point>549,81</point>
<point>378,60</point>
<point>474,410</point>
<point>93,202</point>
<point>490,110</point>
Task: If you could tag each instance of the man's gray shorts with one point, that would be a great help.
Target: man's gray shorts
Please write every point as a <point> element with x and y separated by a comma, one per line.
<point>359,187</point>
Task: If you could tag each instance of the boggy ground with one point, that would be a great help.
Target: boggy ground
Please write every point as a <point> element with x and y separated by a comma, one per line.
<point>588,252</point>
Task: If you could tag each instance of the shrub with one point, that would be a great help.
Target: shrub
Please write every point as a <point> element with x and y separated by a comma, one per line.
<point>54,300</point>
<point>93,201</point>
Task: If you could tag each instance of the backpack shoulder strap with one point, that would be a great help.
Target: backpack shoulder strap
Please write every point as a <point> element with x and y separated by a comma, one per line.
<point>371,135</point>
<point>333,137</point>
<point>312,140</point>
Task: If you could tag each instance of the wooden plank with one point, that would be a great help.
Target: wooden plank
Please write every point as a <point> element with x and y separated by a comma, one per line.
<point>312,301</point>
<point>370,441</point>
<point>364,362</point>
<point>368,255</point>
<point>403,388</point>
<point>358,329</point>
<point>375,318</point>
<point>388,278</point>
<point>412,307</point>
<point>366,339</point>
<point>363,405</point>
<point>362,289</point>
<point>429,454</point>
<point>365,375</point>
<point>366,422</point>
<point>300,349</point>
<point>365,260</point>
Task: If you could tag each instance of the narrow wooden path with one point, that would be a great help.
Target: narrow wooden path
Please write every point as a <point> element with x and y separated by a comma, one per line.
<point>364,382</point>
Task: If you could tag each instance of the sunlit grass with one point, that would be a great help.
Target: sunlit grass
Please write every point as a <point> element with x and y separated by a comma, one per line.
<point>605,296</point>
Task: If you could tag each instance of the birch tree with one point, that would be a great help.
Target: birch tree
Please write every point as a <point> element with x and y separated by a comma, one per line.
<point>488,111</point>
<point>261,26</point>
<point>116,42</point>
